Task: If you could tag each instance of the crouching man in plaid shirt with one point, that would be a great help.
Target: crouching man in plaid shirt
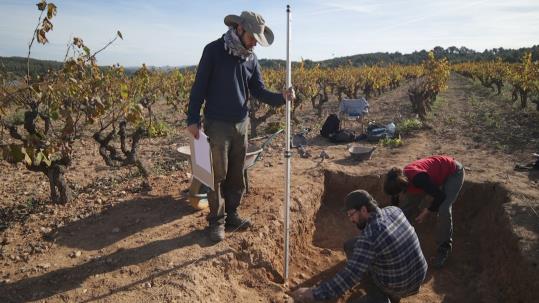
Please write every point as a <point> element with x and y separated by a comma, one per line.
<point>385,257</point>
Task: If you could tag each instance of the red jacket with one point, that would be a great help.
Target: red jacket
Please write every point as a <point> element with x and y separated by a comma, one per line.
<point>437,167</point>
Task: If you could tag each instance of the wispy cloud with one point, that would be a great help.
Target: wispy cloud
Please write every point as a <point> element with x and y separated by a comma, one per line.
<point>329,7</point>
<point>433,14</point>
<point>353,7</point>
<point>171,32</point>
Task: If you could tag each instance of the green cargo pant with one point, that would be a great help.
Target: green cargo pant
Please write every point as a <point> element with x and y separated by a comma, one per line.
<point>228,144</point>
<point>412,203</point>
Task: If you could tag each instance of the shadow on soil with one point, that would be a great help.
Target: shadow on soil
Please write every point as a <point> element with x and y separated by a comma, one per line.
<point>120,221</point>
<point>534,175</point>
<point>65,279</point>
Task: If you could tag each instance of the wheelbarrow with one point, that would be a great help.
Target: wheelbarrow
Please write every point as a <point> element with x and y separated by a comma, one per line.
<point>198,192</point>
<point>253,155</point>
<point>359,152</point>
<point>198,197</point>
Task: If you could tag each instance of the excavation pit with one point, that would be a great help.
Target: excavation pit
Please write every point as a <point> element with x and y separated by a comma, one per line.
<point>486,265</point>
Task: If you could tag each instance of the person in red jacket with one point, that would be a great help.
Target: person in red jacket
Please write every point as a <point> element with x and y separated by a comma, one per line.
<point>438,176</point>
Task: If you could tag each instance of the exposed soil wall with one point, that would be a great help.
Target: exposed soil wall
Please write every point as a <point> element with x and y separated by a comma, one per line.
<point>486,264</point>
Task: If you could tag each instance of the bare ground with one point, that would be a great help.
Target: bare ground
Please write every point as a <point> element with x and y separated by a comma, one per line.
<point>117,244</point>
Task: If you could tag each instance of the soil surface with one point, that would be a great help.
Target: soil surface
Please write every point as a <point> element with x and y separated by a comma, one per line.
<point>117,243</point>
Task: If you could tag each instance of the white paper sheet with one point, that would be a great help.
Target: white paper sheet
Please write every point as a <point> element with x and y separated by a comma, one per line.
<point>202,152</point>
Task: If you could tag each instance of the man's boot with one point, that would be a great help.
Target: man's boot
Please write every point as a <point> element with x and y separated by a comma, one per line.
<point>234,221</point>
<point>216,232</point>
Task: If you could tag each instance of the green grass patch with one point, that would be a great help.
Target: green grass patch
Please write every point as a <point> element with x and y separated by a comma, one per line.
<point>158,129</point>
<point>392,142</point>
<point>409,125</point>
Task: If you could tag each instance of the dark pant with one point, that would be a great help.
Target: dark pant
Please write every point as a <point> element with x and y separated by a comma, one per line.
<point>374,294</point>
<point>228,144</point>
<point>444,226</point>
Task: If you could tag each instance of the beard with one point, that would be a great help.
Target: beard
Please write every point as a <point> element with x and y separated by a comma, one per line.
<point>361,225</point>
<point>243,43</point>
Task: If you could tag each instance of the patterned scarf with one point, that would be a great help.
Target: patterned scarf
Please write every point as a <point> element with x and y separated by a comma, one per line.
<point>234,46</point>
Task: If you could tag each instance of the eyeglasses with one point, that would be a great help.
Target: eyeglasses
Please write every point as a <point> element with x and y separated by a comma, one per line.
<point>349,214</point>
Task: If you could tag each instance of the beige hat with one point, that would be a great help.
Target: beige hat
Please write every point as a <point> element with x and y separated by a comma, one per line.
<point>254,24</point>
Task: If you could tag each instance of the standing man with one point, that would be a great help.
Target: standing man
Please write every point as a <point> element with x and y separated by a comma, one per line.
<point>386,257</point>
<point>228,73</point>
<point>438,176</point>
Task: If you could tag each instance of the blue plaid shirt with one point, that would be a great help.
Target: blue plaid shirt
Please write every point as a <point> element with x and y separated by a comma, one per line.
<point>388,249</point>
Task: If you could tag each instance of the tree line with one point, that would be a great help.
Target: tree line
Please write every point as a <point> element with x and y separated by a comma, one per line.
<point>453,54</point>
<point>15,67</point>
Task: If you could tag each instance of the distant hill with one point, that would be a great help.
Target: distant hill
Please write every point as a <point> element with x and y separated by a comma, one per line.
<point>453,54</point>
<point>16,66</point>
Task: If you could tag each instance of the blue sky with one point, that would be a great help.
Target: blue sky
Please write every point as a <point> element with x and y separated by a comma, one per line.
<point>174,32</point>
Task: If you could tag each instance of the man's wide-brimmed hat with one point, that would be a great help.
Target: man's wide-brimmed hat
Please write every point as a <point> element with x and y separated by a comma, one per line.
<point>254,24</point>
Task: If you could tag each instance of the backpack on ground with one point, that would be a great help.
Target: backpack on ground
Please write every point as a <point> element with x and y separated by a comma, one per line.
<point>332,125</point>
<point>376,134</point>
<point>342,136</point>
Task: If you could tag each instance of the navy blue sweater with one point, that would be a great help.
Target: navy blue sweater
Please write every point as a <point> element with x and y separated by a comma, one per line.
<point>224,81</point>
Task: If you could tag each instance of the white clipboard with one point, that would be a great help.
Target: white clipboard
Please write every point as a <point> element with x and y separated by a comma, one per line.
<point>201,161</point>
